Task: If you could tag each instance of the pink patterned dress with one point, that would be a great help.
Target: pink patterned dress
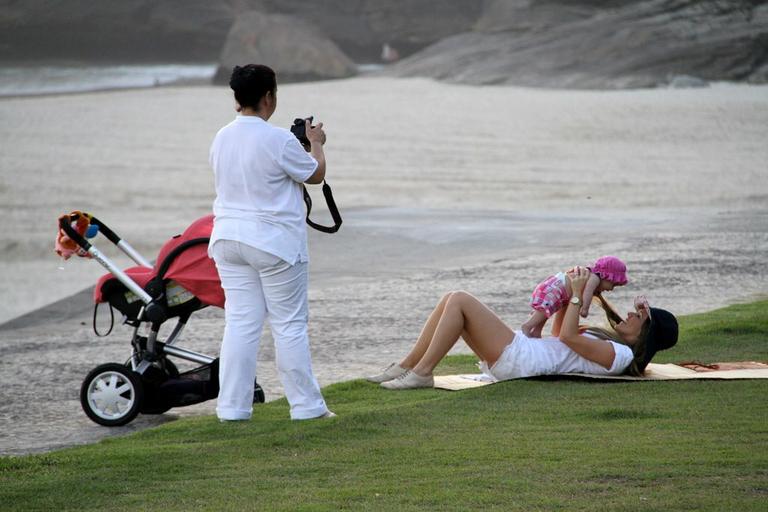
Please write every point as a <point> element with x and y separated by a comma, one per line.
<point>550,295</point>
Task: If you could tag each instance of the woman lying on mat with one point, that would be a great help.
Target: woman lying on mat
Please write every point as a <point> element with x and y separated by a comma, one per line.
<point>506,354</point>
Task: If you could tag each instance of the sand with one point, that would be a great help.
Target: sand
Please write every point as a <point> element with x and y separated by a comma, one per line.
<point>487,189</point>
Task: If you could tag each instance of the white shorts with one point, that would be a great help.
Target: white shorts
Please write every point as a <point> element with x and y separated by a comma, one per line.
<point>514,362</point>
<point>529,357</point>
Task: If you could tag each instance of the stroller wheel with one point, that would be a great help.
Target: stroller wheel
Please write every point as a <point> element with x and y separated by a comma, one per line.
<point>111,394</point>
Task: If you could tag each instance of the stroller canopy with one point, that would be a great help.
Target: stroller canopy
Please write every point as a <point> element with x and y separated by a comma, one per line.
<point>192,268</point>
<point>184,259</point>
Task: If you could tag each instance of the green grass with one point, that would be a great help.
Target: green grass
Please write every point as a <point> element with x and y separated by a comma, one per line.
<point>519,445</point>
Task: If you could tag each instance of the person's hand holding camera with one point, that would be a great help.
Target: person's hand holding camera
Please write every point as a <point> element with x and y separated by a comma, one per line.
<point>312,139</point>
<point>314,133</point>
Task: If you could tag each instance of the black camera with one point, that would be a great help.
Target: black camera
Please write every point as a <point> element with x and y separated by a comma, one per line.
<point>299,130</point>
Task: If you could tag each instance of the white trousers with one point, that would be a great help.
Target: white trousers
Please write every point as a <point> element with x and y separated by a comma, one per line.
<point>258,286</point>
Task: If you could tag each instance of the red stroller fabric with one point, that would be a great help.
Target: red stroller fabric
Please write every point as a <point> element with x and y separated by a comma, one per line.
<point>192,269</point>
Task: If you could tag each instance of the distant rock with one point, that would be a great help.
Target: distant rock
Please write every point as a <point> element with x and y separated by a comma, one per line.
<point>195,30</point>
<point>536,15</point>
<point>629,44</point>
<point>550,43</point>
<point>686,82</point>
<point>293,48</point>
<point>361,27</point>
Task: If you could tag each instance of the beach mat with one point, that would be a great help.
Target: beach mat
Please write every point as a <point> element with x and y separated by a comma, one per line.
<point>654,372</point>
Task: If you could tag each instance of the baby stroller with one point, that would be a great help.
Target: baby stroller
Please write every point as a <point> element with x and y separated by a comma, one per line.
<point>182,280</point>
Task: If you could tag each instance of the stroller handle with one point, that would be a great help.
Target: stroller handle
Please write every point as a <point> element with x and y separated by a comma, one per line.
<point>65,223</point>
<point>153,311</point>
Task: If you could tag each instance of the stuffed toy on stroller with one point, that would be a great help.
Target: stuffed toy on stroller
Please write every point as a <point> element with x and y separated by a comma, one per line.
<point>182,280</point>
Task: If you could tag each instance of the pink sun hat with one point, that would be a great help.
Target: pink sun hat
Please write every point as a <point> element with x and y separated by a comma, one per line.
<point>612,269</point>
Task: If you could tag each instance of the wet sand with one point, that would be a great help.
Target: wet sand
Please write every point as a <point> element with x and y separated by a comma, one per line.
<point>442,187</point>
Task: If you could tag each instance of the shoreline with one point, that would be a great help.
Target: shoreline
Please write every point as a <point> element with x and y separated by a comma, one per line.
<point>44,80</point>
<point>108,90</point>
<point>366,70</point>
<point>203,83</point>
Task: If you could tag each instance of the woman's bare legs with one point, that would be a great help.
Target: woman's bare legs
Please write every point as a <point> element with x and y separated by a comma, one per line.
<point>427,332</point>
<point>458,314</point>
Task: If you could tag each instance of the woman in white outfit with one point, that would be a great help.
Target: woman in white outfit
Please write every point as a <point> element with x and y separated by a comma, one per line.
<point>259,244</point>
<point>627,348</point>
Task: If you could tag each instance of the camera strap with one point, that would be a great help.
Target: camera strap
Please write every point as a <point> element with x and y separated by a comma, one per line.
<point>331,208</point>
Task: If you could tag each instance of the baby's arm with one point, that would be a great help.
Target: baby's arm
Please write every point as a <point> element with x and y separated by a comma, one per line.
<point>558,322</point>
<point>589,291</point>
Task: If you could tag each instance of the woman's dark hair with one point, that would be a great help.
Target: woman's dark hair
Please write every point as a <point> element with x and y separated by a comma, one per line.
<point>251,83</point>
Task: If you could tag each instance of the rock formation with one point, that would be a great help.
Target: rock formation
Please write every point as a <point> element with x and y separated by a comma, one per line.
<point>196,30</point>
<point>552,43</point>
<point>361,27</point>
<point>630,44</point>
<point>295,49</point>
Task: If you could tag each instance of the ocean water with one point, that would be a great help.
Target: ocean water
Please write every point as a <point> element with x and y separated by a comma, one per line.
<point>35,80</point>
<point>58,79</point>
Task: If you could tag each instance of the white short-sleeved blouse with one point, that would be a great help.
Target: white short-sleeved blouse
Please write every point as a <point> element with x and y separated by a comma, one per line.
<point>259,170</point>
<point>528,357</point>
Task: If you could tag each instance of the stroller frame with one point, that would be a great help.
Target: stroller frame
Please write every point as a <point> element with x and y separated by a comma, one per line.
<point>151,312</point>
<point>123,385</point>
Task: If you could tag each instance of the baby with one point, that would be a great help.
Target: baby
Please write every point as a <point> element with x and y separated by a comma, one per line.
<point>555,291</point>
